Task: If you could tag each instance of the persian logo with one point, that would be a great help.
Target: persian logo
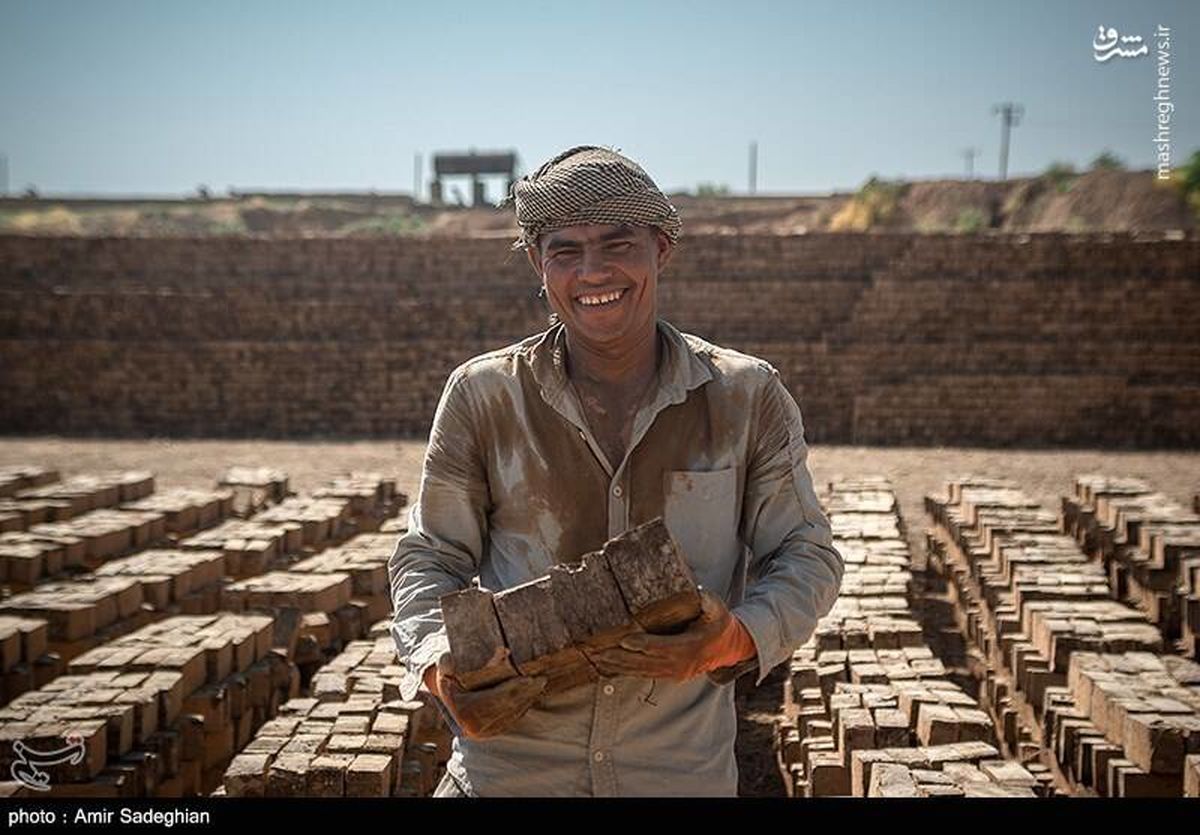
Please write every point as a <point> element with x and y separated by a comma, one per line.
<point>26,771</point>
<point>1107,44</point>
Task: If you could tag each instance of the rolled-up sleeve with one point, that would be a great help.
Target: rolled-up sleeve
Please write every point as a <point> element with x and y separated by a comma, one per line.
<point>795,572</point>
<point>441,551</point>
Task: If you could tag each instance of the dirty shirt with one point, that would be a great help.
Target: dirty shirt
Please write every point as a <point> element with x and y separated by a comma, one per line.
<point>513,481</point>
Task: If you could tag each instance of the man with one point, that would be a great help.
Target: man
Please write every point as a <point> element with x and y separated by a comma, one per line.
<point>544,449</point>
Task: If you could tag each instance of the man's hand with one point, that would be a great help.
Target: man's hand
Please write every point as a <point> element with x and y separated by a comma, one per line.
<point>715,639</point>
<point>487,712</point>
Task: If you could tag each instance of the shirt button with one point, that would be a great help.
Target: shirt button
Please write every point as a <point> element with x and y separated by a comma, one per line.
<point>598,756</point>
<point>608,689</point>
<point>617,491</point>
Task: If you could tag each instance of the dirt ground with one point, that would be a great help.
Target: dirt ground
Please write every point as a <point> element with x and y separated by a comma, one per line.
<point>914,471</point>
<point>1045,474</point>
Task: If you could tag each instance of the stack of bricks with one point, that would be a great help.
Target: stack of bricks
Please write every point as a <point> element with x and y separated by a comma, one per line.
<point>295,527</point>
<point>1150,545</point>
<point>71,524</point>
<point>15,515</point>
<point>173,581</point>
<point>186,509</point>
<point>254,488</point>
<point>335,591</point>
<point>639,581</point>
<point>323,522</point>
<point>83,612</point>
<point>1027,598</point>
<point>353,737</point>
<point>250,546</point>
<point>365,558</point>
<point>866,689</point>
<point>26,661</point>
<point>160,712</point>
<point>373,498</point>
<point>49,499</point>
<point>1127,724</point>
<point>929,772</point>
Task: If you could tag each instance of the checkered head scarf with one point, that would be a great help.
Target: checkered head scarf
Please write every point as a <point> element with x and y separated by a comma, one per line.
<point>589,184</point>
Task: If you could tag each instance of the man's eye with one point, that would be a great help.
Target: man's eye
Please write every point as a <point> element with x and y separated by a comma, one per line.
<point>621,246</point>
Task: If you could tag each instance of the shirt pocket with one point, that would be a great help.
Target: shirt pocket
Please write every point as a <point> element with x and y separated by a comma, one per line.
<point>700,510</point>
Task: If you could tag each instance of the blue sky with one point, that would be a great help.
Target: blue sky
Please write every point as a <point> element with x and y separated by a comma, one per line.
<point>157,97</point>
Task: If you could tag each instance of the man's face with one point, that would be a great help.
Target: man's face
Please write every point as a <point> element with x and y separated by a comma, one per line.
<point>602,279</point>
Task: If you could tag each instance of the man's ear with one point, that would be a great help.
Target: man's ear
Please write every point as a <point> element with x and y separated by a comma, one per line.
<point>666,248</point>
<point>533,253</point>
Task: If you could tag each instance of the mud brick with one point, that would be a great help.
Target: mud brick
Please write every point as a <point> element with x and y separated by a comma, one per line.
<point>973,751</point>
<point>283,589</point>
<point>1158,744</point>
<point>856,730</point>
<point>861,764</point>
<point>974,724</point>
<point>937,724</point>
<point>1191,775</point>
<point>369,775</point>
<point>1007,772</point>
<point>963,773</point>
<point>656,582</point>
<point>827,776</point>
<point>246,775</point>
<point>589,601</point>
<point>536,636</point>
<point>891,728</point>
<point>1101,756</point>
<point>1125,779</point>
<point>1085,754</point>
<point>892,780</point>
<point>287,775</point>
<point>327,775</point>
<point>477,643</point>
<point>22,639</point>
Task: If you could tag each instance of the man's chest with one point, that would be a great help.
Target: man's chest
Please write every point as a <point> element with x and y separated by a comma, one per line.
<point>552,499</point>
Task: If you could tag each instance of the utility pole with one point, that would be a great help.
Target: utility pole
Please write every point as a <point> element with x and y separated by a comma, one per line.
<point>969,155</point>
<point>417,184</point>
<point>1010,117</point>
<point>753,166</point>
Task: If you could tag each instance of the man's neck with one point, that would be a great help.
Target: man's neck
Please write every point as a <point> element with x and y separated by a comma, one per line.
<point>629,367</point>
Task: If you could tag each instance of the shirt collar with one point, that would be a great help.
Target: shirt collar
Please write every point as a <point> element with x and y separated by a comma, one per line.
<point>682,369</point>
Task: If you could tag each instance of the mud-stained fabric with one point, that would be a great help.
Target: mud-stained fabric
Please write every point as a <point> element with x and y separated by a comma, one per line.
<point>514,481</point>
<point>589,184</point>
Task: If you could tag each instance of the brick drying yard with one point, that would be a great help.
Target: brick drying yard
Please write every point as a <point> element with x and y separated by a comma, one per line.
<point>312,708</point>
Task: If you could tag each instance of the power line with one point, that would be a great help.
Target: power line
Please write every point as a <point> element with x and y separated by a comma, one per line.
<point>1010,117</point>
<point>969,155</point>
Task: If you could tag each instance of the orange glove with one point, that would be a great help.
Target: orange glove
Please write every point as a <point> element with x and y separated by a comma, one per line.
<point>714,640</point>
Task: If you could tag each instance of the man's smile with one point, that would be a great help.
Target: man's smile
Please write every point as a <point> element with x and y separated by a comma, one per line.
<point>601,299</point>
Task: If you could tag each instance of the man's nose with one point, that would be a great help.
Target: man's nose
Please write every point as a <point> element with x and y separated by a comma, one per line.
<point>592,266</point>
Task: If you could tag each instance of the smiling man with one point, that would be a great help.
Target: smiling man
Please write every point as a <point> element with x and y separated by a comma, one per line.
<point>543,450</point>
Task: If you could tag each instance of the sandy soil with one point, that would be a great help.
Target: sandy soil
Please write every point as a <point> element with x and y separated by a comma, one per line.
<point>915,471</point>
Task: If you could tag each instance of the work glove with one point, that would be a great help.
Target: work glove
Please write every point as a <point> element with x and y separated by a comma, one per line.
<point>486,712</point>
<point>712,642</point>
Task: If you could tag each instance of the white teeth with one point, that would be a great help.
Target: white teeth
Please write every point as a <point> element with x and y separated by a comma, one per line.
<point>604,298</point>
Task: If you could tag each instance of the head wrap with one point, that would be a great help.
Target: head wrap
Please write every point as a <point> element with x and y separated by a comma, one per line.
<point>589,184</point>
